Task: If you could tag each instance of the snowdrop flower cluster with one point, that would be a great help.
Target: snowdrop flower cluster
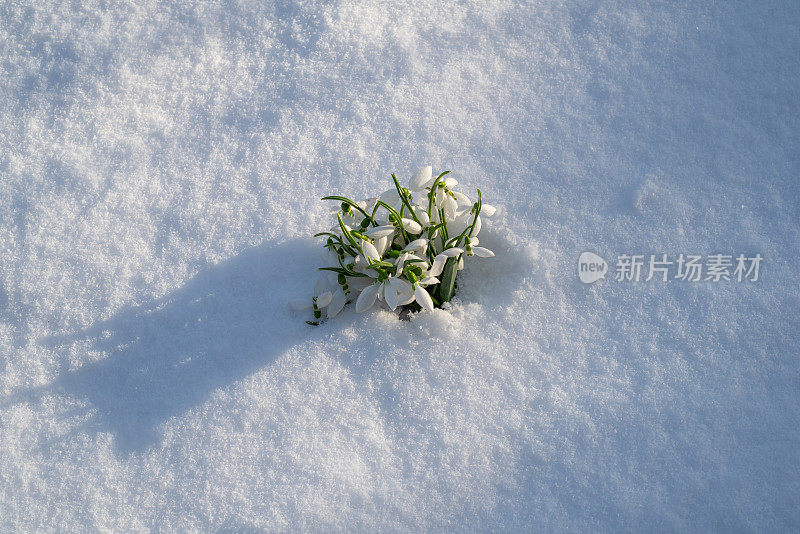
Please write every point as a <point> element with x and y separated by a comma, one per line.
<point>403,248</point>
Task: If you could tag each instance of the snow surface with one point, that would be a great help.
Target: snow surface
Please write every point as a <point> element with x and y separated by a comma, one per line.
<point>160,172</point>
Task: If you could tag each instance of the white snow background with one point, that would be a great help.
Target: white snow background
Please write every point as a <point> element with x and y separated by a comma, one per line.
<point>161,166</point>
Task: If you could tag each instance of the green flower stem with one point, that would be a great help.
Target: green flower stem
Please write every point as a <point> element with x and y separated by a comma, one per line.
<point>432,193</point>
<point>397,221</point>
<point>341,243</point>
<point>341,270</point>
<point>404,199</point>
<point>351,204</point>
<point>346,233</point>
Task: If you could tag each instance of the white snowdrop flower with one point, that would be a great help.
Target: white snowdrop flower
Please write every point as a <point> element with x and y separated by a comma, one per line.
<point>390,295</point>
<point>381,260</point>
<point>381,245</point>
<point>417,245</point>
<point>438,265</point>
<point>420,180</point>
<point>411,226</point>
<point>482,252</point>
<point>370,252</point>
<point>422,215</point>
<point>477,228</point>
<point>359,283</point>
<point>400,285</point>
<point>401,260</point>
<point>419,261</point>
<point>381,231</point>
<point>324,298</point>
<point>440,196</point>
<point>403,292</point>
<point>452,252</point>
<point>450,207</point>
<point>488,210</point>
<point>423,298</point>
<point>441,259</point>
<point>406,297</point>
<point>462,198</point>
<point>367,297</point>
<point>337,303</point>
<point>459,223</point>
<point>389,196</point>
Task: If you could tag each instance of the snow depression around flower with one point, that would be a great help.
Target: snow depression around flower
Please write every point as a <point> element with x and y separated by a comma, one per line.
<point>403,248</point>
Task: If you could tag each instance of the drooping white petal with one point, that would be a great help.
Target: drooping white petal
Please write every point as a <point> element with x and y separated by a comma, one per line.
<point>474,241</point>
<point>399,285</point>
<point>337,303</point>
<point>376,232</point>
<point>367,297</point>
<point>381,244</point>
<point>438,265</point>
<point>324,298</point>
<point>370,251</point>
<point>407,297</point>
<point>422,215</point>
<point>359,283</point>
<point>401,260</point>
<point>390,295</point>
<point>482,252</point>
<point>420,261</point>
<point>450,207</point>
<point>423,298</point>
<point>411,226</point>
<point>462,198</point>
<point>461,263</point>
<point>420,178</point>
<point>459,224</point>
<point>488,210</point>
<point>439,197</point>
<point>477,228</point>
<point>450,182</point>
<point>429,281</point>
<point>389,196</point>
<point>417,244</point>
<point>452,252</point>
